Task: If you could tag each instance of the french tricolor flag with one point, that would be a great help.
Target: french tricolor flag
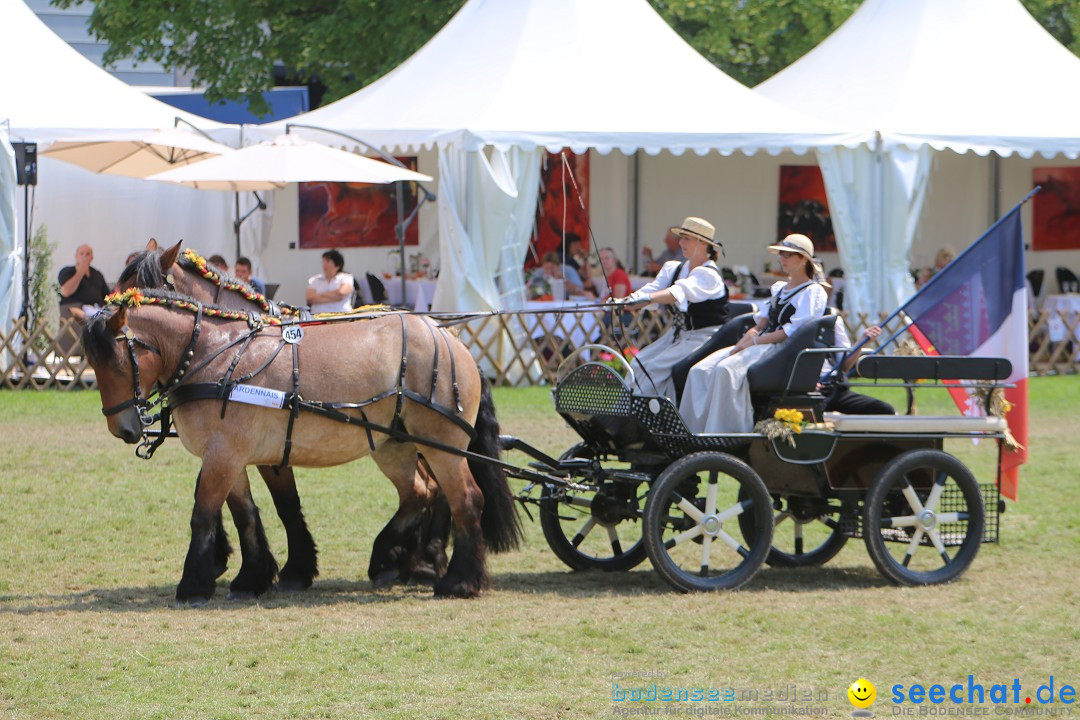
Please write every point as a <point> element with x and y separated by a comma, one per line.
<point>977,306</point>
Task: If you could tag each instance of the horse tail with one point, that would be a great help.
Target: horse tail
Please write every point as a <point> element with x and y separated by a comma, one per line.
<point>499,521</point>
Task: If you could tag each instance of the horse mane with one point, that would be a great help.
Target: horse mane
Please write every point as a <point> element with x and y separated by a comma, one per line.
<point>145,270</point>
<point>192,261</point>
<point>97,338</point>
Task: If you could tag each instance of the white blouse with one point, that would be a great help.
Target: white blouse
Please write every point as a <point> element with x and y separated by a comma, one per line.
<point>693,286</point>
<point>809,304</point>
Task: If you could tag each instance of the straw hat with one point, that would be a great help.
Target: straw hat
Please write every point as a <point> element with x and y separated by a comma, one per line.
<point>803,246</point>
<point>695,227</point>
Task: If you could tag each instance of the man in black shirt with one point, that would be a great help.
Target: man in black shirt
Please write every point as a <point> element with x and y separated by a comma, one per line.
<point>81,284</point>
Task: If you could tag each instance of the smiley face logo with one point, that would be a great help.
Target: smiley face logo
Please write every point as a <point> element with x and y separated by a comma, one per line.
<point>862,693</point>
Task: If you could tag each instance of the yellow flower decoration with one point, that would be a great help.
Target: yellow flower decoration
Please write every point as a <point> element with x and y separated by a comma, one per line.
<point>132,297</point>
<point>790,417</point>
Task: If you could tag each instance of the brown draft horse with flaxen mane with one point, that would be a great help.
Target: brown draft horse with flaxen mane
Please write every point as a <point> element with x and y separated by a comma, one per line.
<point>418,555</point>
<point>202,357</point>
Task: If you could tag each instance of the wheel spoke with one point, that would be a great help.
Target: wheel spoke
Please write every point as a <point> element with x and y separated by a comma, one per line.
<point>710,494</point>
<point>935,492</point>
<point>706,547</point>
<point>736,509</point>
<point>683,537</point>
<point>935,537</point>
<point>781,517</point>
<point>912,498</point>
<point>902,521</point>
<point>951,517</point>
<point>732,543</point>
<point>613,537</point>
<point>916,538</point>
<point>798,538</point>
<point>690,509</point>
<point>583,532</point>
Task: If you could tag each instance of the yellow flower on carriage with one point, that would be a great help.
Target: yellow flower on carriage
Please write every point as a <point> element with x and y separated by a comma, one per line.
<point>790,417</point>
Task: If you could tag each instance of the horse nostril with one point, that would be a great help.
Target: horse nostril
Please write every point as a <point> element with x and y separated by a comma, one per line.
<point>129,436</point>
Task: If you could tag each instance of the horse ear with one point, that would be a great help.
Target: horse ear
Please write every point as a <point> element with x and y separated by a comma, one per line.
<point>169,257</point>
<point>152,245</point>
<point>116,322</point>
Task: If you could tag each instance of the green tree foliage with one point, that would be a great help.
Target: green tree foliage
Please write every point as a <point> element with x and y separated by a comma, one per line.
<point>230,47</point>
<point>751,40</point>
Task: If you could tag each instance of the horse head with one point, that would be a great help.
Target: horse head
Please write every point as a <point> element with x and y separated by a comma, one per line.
<point>126,366</point>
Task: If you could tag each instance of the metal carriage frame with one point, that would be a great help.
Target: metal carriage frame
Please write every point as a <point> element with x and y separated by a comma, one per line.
<point>710,510</point>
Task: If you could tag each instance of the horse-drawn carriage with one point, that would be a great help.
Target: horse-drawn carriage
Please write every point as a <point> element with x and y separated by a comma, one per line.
<point>710,510</point>
<point>245,387</point>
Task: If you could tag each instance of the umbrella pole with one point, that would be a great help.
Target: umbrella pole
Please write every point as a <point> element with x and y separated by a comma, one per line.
<point>400,230</point>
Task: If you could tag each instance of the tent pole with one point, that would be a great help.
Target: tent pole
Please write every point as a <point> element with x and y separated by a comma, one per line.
<point>634,215</point>
<point>25,314</point>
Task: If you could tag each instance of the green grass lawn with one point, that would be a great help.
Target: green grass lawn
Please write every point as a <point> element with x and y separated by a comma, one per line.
<point>92,542</point>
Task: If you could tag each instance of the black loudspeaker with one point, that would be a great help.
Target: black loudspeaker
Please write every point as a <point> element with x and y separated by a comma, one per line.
<point>25,162</point>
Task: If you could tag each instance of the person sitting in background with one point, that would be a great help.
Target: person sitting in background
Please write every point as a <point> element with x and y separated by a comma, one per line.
<point>944,256</point>
<point>672,251</point>
<point>82,284</point>
<point>717,395</point>
<point>618,281</point>
<point>540,279</point>
<point>243,272</point>
<point>697,296</point>
<point>332,289</point>
<point>218,262</point>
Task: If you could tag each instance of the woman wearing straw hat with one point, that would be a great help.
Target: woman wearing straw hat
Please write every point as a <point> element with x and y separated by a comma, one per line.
<point>717,397</point>
<point>698,297</point>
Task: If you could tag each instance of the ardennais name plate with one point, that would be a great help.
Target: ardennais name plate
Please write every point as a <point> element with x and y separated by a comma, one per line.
<point>253,395</point>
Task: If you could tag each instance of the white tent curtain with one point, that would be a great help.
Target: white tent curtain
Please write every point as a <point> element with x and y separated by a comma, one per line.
<point>876,196</point>
<point>486,213</point>
<point>11,261</point>
<point>255,231</point>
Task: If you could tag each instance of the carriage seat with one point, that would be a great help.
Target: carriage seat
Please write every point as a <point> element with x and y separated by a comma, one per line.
<point>912,424</point>
<point>772,373</point>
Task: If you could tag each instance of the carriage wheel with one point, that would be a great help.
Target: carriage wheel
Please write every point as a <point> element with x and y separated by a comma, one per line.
<point>692,534</point>
<point>588,530</point>
<point>923,518</point>
<point>803,535</point>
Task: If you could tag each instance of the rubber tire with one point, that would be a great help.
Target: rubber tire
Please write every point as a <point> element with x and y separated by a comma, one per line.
<point>874,503</point>
<point>562,546</point>
<point>656,509</point>
<point>820,555</point>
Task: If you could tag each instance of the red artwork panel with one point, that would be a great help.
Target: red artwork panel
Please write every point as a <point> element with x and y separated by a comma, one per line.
<point>344,214</point>
<point>559,200</point>
<point>1056,209</point>
<point>804,206</point>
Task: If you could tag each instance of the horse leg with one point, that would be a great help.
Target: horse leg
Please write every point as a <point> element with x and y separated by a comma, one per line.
<point>258,570</point>
<point>222,548</point>
<point>396,544</point>
<point>467,574</point>
<point>215,482</point>
<point>302,566</point>
<point>429,560</point>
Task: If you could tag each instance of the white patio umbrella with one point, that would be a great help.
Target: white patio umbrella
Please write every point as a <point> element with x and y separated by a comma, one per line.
<point>287,159</point>
<point>138,153</point>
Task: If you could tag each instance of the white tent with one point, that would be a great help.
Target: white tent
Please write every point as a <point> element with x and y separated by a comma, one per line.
<point>10,253</point>
<point>516,75</point>
<point>976,76</point>
<point>49,91</point>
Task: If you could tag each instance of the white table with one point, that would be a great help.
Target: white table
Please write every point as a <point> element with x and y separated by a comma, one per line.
<point>565,324</point>
<point>418,293</point>
<point>1056,306</point>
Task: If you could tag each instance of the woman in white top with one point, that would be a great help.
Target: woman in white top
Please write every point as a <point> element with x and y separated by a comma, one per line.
<point>331,290</point>
<point>699,299</point>
<point>717,397</point>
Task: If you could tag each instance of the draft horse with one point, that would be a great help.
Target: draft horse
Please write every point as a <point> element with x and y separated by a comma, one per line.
<point>394,558</point>
<point>211,365</point>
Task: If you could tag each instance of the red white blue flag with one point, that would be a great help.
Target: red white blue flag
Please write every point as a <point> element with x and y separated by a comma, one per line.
<point>977,306</point>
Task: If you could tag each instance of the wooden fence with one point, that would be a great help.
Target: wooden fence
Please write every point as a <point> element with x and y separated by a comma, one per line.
<point>515,349</point>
